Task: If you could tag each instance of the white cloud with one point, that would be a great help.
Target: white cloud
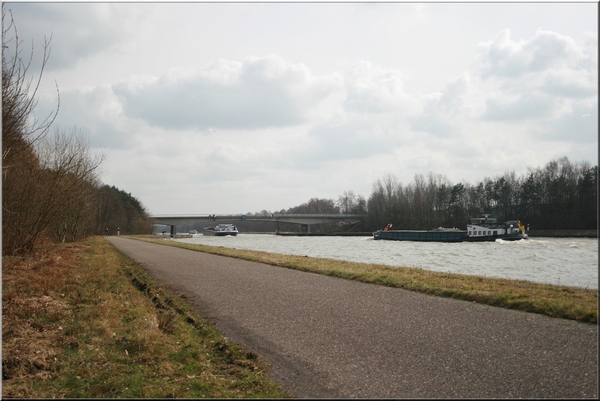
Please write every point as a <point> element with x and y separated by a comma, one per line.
<point>372,89</point>
<point>259,92</point>
<point>504,57</point>
<point>445,113</point>
<point>535,79</point>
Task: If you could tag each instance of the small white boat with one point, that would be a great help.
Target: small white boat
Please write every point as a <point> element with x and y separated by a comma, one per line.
<point>221,230</point>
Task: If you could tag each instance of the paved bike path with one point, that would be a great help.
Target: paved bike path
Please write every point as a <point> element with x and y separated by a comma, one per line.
<point>329,337</point>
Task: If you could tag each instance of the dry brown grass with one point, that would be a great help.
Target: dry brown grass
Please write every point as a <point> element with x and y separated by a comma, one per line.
<point>555,301</point>
<point>76,325</point>
<point>31,308</point>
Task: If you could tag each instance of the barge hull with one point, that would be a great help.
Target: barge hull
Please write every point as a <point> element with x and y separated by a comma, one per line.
<point>425,236</point>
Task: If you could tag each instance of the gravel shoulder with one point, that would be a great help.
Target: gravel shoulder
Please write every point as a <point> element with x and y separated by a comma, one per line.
<point>328,337</point>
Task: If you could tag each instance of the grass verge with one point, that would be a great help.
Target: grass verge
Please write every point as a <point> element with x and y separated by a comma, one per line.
<point>84,321</point>
<point>555,301</point>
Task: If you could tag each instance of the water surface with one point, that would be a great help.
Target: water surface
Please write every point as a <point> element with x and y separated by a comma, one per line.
<point>559,261</point>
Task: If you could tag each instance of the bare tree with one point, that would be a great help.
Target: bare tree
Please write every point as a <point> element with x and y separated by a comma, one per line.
<point>20,128</point>
<point>71,183</point>
<point>351,204</point>
<point>54,193</point>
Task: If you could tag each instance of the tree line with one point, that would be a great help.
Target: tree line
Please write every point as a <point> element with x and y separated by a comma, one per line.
<point>561,195</point>
<point>50,183</point>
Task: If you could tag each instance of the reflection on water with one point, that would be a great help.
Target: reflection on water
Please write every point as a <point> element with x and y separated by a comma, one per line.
<point>562,261</point>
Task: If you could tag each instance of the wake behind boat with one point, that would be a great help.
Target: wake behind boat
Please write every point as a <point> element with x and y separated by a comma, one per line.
<point>221,230</point>
<point>481,229</point>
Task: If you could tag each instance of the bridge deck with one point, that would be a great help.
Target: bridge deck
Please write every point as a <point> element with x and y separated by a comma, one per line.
<point>302,219</point>
<point>276,217</point>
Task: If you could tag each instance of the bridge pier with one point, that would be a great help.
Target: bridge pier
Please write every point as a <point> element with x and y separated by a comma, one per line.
<point>173,231</point>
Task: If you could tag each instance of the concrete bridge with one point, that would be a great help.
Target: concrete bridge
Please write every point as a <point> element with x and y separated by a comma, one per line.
<point>303,219</point>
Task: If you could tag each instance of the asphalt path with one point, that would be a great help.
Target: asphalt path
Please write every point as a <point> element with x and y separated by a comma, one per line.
<point>329,337</point>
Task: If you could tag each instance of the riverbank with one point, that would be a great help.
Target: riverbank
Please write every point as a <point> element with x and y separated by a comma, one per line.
<point>552,300</point>
<point>84,321</point>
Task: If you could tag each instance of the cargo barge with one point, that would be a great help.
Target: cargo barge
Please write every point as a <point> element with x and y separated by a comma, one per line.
<point>481,229</point>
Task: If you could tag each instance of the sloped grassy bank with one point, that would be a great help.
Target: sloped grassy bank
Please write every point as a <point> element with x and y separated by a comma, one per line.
<point>84,321</point>
<point>555,301</point>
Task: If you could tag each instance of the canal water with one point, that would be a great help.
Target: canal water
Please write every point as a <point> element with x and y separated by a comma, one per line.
<point>559,261</point>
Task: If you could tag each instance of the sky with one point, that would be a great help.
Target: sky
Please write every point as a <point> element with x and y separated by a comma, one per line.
<point>222,108</point>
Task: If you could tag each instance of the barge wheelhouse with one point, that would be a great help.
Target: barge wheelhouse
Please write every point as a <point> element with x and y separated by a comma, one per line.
<point>487,228</point>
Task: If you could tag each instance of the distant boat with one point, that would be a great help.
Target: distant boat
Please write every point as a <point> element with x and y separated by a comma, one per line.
<point>481,229</point>
<point>221,230</point>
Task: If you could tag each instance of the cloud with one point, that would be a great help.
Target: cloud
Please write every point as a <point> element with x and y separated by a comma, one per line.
<point>347,141</point>
<point>580,125</point>
<point>96,112</point>
<point>537,79</point>
<point>258,93</point>
<point>444,112</point>
<point>77,32</point>
<point>372,89</point>
<point>504,57</point>
<point>572,84</point>
<point>526,106</point>
<point>550,49</point>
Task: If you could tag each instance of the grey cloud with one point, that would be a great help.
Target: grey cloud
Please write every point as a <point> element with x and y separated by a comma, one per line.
<point>373,90</point>
<point>433,125</point>
<point>572,84</point>
<point>453,95</point>
<point>348,141</point>
<point>78,30</point>
<point>527,106</point>
<point>504,57</point>
<point>95,112</point>
<point>580,126</point>
<point>548,49</point>
<point>439,112</point>
<point>266,92</point>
